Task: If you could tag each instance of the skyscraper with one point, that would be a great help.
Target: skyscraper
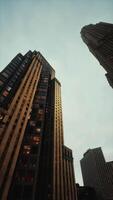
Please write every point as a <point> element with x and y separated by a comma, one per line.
<point>99,39</point>
<point>34,163</point>
<point>95,173</point>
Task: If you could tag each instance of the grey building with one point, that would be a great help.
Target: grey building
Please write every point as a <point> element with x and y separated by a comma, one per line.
<point>99,39</point>
<point>95,173</point>
<point>109,166</point>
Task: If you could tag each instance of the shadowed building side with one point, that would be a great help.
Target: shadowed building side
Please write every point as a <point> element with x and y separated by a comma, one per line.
<point>95,173</point>
<point>99,39</point>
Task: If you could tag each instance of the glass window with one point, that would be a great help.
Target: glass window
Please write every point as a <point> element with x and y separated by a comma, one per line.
<point>5,74</point>
<point>10,83</point>
<point>32,123</point>
<point>36,140</point>
<point>1,82</point>
<point>34,149</point>
<point>8,88</point>
<point>33,161</point>
<point>17,191</point>
<point>5,93</point>
<point>42,97</point>
<point>8,72</point>
<point>2,99</point>
<point>38,124</point>
<point>38,130</point>
<point>27,193</point>
<point>19,58</point>
<point>26,149</point>
<point>40,111</point>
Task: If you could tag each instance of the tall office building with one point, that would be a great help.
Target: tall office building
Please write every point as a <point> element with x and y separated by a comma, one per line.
<point>95,174</point>
<point>109,166</point>
<point>99,39</point>
<point>34,163</point>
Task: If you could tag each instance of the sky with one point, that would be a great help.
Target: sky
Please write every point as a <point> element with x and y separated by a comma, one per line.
<point>53,28</point>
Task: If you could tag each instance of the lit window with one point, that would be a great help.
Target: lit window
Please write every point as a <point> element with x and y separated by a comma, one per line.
<point>8,88</point>
<point>38,129</point>
<point>5,93</point>
<point>32,123</point>
<point>36,139</point>
<point>26,149</point>
<point>45,81</point>
<point>1,116</point>
<point>40,111</point>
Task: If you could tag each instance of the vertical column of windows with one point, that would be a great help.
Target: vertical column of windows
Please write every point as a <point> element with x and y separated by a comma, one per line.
<point>33,75</point>
<point>33,133</point>
<point>69,185</point>
<point>58,141</point>
<point>14,75</point>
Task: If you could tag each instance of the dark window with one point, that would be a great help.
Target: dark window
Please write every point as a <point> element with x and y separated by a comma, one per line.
<point>27,194</point>
<point>17,191</point>
<point>34,149</point>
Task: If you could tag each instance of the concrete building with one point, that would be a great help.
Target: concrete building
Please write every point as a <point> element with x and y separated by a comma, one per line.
<point>95,173</point>
<point>34,163</point>
<point>99,39</point>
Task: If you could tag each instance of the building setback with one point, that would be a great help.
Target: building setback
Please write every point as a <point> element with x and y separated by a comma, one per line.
<point>34,163</point>
<point>99,39</point>
<point>96,174</point>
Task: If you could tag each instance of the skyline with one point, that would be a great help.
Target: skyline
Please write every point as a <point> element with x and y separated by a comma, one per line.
<point>53,28</point>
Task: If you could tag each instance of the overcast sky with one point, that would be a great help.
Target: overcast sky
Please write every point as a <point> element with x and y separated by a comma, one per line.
<point>53,28</point>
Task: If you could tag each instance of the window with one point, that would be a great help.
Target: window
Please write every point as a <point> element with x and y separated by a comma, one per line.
<point>19,58</point>
<point>42,90</point>
<point>8,88</point>
<point>8,71</point>
<point>1,116</point>
<point>38,130</point>
<point>17,191</point>
<point>36,105</point>
<point>5,74</point>
<point>40,111</point>
<point>34,149</point>
<point>10,83</point>
<point>5,93</point>
<point>26,149</point>
<point>24,161</point>
<point>32,123</point>
<point>1,82</point>
<point>45,81</point>
<point>27,193</point>
<point>33,161</point>
<point>41,97</point>
<point>39,124</point>
<point>36,140</point>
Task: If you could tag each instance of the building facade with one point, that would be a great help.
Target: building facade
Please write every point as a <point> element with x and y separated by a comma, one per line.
<point>34,163</point>
<point>95,174</point>
<point>99,39</point>
<point>85,193</point>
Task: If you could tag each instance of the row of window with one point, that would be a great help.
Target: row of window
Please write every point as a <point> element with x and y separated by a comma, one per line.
<point>31,149</point>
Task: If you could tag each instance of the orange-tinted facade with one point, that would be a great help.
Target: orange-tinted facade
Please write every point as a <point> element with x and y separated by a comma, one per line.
<point>34,164</point>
